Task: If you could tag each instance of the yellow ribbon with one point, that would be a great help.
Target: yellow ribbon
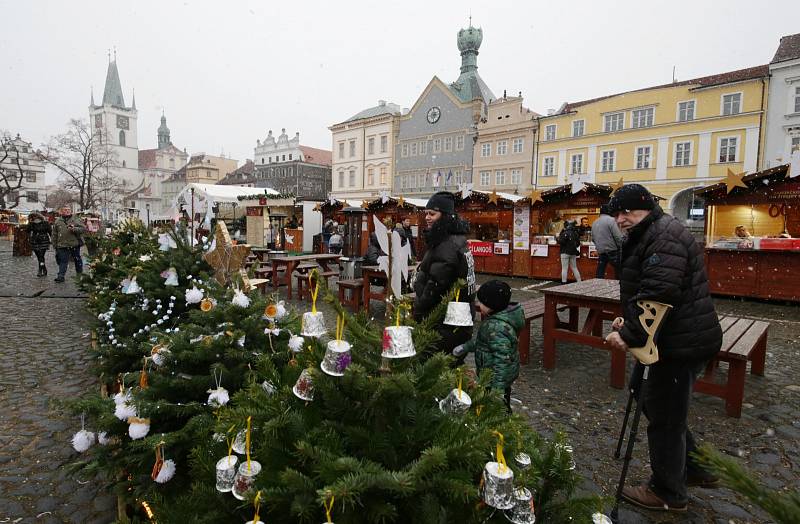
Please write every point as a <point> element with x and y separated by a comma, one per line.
<point>400,307</point>
<point>460,377</point>
<point>339,327</point>
<point>328,509</point>
<point>230,444</point>
<point>315,292</point>
<point>501,459</point>
<point>257,505</point>
<point>458,292</point>
<point>247,443</point>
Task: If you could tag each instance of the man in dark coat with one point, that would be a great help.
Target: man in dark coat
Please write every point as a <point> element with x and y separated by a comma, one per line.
<point>446,260</point>
<point>662,262</point>
<point>67,240</point>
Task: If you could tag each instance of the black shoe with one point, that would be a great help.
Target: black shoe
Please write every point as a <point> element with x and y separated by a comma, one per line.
<point>39,273</point>
<point>59,279</point>
<point>702,480</point>
<point>44,271</point>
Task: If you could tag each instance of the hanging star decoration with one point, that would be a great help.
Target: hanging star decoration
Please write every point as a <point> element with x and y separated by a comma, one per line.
<point>733,180</point>
<point>577,185</point>
<point>384,196</point>
<point>493,197</point>
<point>535,196</point>
<point>365,204</point>
<point>318,207</point>
<point>615,186</point>
<point>225,258</point>
<point>465,189</point>
<point>401,202</point>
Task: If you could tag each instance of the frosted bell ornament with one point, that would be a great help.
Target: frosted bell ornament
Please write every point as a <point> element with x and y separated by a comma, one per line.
<point>337,355</point>
<point>245,477</point>
<point>397,341</point>
<point>82,440</point>
<point>194,295</point>
<point>498,481</point>
<point>457,402</point>
<point>522,460</point>
<point>600,518</point>
<point>304,387</point>
<point>171,276</point>
<point>523,511</point>
<point>313,321</point>
<point>226,472</point>
<point>138,427</point>
<point>458,313</point>
<point>240,442</point>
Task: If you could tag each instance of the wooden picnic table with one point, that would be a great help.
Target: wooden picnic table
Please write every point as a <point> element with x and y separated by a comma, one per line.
<point>370,272</point>
<point>291,263</point>
<point>601,298</point>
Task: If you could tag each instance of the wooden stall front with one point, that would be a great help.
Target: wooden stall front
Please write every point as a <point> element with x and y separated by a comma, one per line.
<point>396,211</point>
<point>753,236</point>
<point>546,222</point>
<point>262,228</point>
<point>490,217</point>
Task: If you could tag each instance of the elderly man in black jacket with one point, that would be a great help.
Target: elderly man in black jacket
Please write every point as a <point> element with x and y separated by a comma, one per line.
<point>662,262</point>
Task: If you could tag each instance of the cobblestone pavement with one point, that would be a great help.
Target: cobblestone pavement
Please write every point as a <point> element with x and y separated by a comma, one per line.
<point>43,348</point>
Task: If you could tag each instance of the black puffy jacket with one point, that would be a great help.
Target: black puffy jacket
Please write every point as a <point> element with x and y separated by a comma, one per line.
<point>662,262</point>
<point>446,260</point>
<point>569,240</point>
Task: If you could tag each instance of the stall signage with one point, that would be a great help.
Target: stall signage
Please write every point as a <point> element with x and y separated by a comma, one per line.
<point>253,211</point>
<point>262,201</point>
<point>522,227</point>
<point>501,248</point>
<point>539,250</point>
<point>481,249</point>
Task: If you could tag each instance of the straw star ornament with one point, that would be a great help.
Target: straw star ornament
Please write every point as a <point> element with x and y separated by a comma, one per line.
<point>493,197</point>
<point>732,180</point>
<point>225,258</point>
<point>535,196</point>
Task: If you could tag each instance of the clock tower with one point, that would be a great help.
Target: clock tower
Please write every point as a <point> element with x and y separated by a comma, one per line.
<point>115,123</point>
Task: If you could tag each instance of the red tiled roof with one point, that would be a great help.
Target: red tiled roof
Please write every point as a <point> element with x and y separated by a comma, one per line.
<point>705,81</point>
<point>317,156</point>
<point>788,49</point>
<point>147,158</point>
<point>241,174</point>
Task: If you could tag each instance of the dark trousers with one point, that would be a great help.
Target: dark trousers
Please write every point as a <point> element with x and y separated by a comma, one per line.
<point>612,257</point>
<point>507,398</point>
<point>666,406</point>
<point>63,256</point>
<point>40,256</point>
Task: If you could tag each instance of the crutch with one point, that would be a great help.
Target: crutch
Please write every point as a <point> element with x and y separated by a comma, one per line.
<point>651,318</point>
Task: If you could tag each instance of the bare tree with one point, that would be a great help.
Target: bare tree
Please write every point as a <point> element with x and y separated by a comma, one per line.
<point>58,199</point>
<point>11,171</point>
<point>85,163</point>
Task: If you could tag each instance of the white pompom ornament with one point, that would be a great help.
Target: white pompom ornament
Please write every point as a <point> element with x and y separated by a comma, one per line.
<point>194,295</point>
<point>82,440</point>
<point>218,397</point>
<point>166,472</point>
<point>102,439</point>
<point>296,343</point>
<point>124,411</point>
<point>138,428</point>
<point>240,299</point>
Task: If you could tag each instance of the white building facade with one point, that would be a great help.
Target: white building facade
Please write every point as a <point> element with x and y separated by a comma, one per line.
<point>23,170</point>
<point>783,112</point>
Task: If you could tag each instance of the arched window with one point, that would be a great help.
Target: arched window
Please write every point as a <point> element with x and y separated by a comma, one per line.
<point>121,137</point>
<point>123,164</point>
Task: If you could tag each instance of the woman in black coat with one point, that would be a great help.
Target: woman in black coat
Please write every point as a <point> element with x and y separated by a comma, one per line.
<point>446,260</point>
<point>569,242</point>
<point>39,230</point>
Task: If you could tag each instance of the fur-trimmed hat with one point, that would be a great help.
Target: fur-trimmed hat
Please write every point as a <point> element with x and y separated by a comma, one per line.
<point>442,201</point>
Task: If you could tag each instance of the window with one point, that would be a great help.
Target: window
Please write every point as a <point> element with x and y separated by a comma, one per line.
<point>283,158</point>
<point>24,161</point>
<point>371,177</point>
<point>576,164</point>
<point>32,196</point>
<point>549,166</point>
<point>613,122</point>
<point>502,147</point>
<point>352,181</point>
<point>341,151</point>
<point>352,148</point>
<point>643,157</point>
<point>423,148</point>
<point>422,180</point>
<point>500,178</point>
<point>517,145</point>
<point>290,156</point>
<point>485,176</point>
<point>437,145</point>
<point>371,146</point>
<point>121,138</point>
<point>486,150</point>
<point>404,150</point>
<point>686,111</point>
<point>124,164</point>
<point>270,158</point>
<point>448,143</point>
<point>795,144</point>
<point>797,99</point>
<point>516,177</point>
<point>30,176</point>
<point>732,104</point>
<point>172,162</point>
<point>25,149</point>
<point>413,149</point>
<point>608,161</point>
<point>411,181</point>
<point>642,117</point>
<point>550,132</point>
<point>460,143</point>
<point>383,175</point>
<point>384,143</point>
<point>577,127</point>
<point>683,154</point>
<point>727,149</point>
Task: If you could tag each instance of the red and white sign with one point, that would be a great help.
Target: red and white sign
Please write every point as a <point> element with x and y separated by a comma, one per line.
<point>501,248</point>
<point>481,249</point>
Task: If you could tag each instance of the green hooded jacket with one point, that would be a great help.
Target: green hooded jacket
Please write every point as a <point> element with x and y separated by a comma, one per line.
<point>67,233</point>
<point>495,345</point>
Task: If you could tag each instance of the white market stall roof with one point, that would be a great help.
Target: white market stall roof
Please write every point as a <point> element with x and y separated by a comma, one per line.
<point>221,194</point>
<point>508,196</point>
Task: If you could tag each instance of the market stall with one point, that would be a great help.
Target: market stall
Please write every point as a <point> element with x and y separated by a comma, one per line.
<point>396,210</point>
<point>491,218</point>
<point>752,229</point>
<point>547,216</point>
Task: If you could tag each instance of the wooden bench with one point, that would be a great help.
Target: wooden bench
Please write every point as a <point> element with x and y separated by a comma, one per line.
<point>743,340</point>
<point>302,280</point>
<point>354,286</point>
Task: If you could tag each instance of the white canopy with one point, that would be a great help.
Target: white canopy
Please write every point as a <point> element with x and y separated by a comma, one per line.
<point>220,194</point>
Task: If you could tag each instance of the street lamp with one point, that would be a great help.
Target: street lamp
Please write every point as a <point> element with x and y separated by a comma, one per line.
<point>147,207</point>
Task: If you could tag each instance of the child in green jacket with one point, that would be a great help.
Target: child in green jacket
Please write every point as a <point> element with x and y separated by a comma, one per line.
<point>495,345</point>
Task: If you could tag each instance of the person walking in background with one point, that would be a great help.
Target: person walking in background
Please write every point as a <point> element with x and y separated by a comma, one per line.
<point>67,231</point>
<point>570,244</point>
<point>447,260</point>
<point>495,345</point>
<point>662,262</point>
<point>39,230</point>
<point>409,235</point>
<point>608,239</point>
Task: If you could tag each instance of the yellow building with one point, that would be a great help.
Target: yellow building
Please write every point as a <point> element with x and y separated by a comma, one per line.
<point>670,138</point>
<point>208,169</point>
<point>503,157</point>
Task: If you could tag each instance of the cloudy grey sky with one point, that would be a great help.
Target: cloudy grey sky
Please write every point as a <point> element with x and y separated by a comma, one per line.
<point>227,72</point>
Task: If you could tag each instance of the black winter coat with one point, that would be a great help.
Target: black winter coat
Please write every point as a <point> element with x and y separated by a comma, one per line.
<point>446,260</point>
<point>569,241</point>
<point>661,261</point>
<point>39,231</point>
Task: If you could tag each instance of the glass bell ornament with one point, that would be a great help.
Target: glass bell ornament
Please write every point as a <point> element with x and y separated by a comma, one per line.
<point>313,324</point>
<point>226,472</point>
<point>245,477</point>
<point>498,486</point>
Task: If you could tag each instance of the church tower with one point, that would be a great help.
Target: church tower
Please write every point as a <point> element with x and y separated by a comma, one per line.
<point>116,124</point>
<point>163,133</point>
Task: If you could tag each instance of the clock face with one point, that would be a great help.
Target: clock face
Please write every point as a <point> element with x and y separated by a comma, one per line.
<point>122,122</point>
<point>433,114</point>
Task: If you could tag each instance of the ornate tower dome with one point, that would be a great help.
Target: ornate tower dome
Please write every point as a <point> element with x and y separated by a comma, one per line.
<point>469,40</point>
<point>469,85</point>
<point>163,133</point>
